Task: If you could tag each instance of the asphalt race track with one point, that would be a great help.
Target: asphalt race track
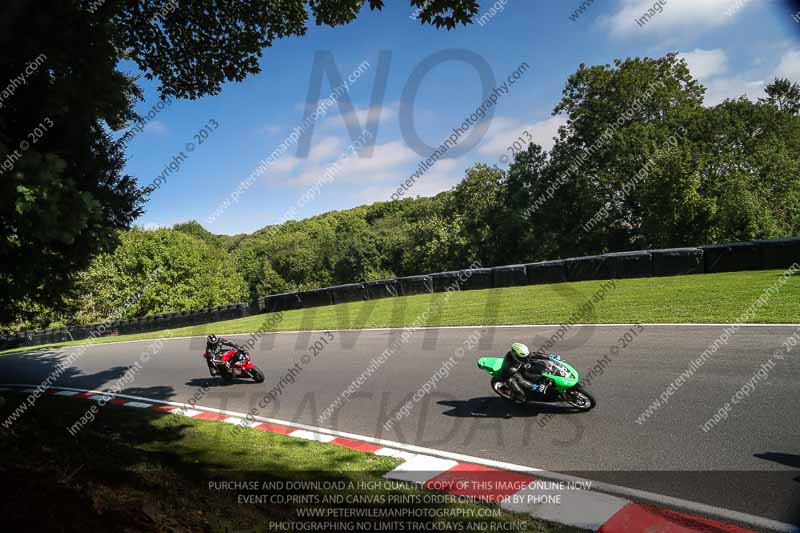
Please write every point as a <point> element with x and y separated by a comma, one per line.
<point>749,462</point>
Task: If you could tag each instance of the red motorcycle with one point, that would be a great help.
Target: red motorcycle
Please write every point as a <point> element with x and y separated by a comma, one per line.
<point>235,364</point>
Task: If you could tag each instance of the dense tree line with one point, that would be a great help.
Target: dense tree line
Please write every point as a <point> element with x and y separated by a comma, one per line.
<point>640,163</point>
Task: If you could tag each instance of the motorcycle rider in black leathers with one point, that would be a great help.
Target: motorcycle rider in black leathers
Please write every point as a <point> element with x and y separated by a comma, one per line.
<point>522,371</point>
<point>214,349</point>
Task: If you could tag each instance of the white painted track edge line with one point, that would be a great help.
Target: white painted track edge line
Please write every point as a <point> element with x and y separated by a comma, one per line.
<point>600,486</point>
<point>418,328</point>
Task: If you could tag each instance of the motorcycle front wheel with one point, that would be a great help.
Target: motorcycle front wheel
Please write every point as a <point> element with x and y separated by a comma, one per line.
<point>579,398</point>
<point>257,374</point>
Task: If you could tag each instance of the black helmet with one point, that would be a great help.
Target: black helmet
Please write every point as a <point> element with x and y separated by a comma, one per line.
<point>212,339</point>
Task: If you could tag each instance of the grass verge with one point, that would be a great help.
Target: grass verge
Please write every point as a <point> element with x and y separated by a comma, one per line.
<point>141,470</point>
<point>699,298</point>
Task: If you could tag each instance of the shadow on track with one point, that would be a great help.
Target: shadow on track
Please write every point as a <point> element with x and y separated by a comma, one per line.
<point>36,366</point>
<point>496,407</point>
<point>787,459</point>
<point>216,382</point>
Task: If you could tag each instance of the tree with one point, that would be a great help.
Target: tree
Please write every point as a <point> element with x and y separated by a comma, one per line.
<point>195,48</point>
<point>194,229</point>
<point>641,163</point>
<point>157,272</point>
<point>735,177</point>
<point>784,95</point>
<point>434,244</point>
<point>527,181</point>
<point>617,119</point>
<point>63,200</point>
<point>479,201</point>
<point>260,277</point>
<point>63,196</point>
<point>354,255</point>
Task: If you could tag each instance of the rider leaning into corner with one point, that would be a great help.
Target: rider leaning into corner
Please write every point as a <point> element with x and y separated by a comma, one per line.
<point>522,370</point>
<point>214,347</point>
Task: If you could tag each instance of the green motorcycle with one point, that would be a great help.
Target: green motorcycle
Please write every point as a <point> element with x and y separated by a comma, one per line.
<point>564,386</point>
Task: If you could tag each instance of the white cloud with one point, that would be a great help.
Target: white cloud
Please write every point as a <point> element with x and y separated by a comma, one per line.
<point>675,14</point>
<point>270,130</point>
<point>325,149</point>
<point>444,175</point>
<point>789,67</point>
<point>156,126</point>
<point>331,147</point>
<point>386,156</point>
<point>155,226</point>
<point>732,87</point>
<point>504,131</point>
<point>285,164</point>
<point>359,116</point>
<point>705,64</point>
<point>393,162</point>
<point>719,89</point>
<point>385,162</point>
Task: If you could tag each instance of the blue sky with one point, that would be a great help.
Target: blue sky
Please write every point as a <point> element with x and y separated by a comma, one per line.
<point>733,46</point>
